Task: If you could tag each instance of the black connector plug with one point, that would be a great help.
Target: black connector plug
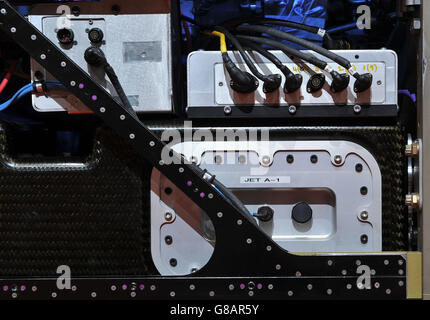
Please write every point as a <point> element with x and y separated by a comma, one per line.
<point>340,81</point>
<point>363,82</point>
<point>95,57</point>
<point>242,82</point>
<point>264,214</point>
<point>272,83</point>
<point>316,82</point>
<point>293,82</point>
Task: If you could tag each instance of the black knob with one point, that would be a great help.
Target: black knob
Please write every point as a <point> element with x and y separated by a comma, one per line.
<point>316,82</point>
<point>95,35</point>
<point>302,212</point>
<point>264,214</point>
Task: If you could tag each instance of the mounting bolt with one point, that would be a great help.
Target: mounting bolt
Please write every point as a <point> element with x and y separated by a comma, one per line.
<point>227,110</point>
<point>412,200</point>
<point>338,159</point>
<point>266,160</point>
<point>3,11</point>
<point>412,150</point>
<point>357,109</point>
<point>292,109</point>
<point>364,215</point>
<point>168,216</point>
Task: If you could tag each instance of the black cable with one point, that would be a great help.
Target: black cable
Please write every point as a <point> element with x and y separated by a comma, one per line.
<point>340,81</point>
<point>271,82</point>
<point>304,43</point>
<point>95,56</point>
<point>292,81</point>
<point>287,50</point>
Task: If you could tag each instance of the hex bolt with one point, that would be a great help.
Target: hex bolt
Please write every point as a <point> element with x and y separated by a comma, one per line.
<point>412,150</point>
<point>357,109</point>
<point>412,200</point>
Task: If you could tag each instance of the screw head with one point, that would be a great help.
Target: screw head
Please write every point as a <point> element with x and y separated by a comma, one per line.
<point>227,110</point>
<point>364,215</point>
<point>364,238</point>
<point>292,109</point>
<point>168,216</point>
<point>266,160</point>
<point>357,108</point>
<point>338,159</point>
<point>3,11</point>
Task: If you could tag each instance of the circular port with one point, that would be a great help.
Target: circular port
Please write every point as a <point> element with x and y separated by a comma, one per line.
<point>65,36</point>
<point>95,35</point>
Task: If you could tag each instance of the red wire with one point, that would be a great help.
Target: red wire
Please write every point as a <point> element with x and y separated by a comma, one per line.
<point>8,76</point>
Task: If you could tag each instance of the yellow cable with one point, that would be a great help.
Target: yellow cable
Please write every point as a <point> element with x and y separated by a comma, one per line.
<point>221,36</point>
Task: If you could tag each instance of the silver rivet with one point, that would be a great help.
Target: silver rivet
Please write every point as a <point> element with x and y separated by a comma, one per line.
<point>357,108</point>
<point>113,288</point>
<point>219,214</point>
<point>249,241</point>
<point>181,170</point>
<point>63,64</point>
<point>152,288</point>
<point>239,222</point>
<point>74,288</point>
<point>102,110</point>
<point>292,109</point>
<point>373,272</point>
<point>266,160</point>
<point>161,163</point>
<point>72,83</point>
<point>172,294</point>
<point>43,56</point>
<point>364,215</point>
<point>231,287</point>
<point>54,295</point>
<point>401,283</point>
<point>250,293</point>
<point>93,294</point>
<point>338,159</point>
<point>132,136</point>
<point>211,293</point>
<point>358,262</point>
<point>298,274</point>
<point>132,294</point>
<point>349,286</point>
<point>13,29</point>
<point>269,248</point>
<point>152,143</point>
<point>344,272</point>
<point>278,267</point>
<point>386,262</point>
<point>330,262</point>
<point>122,117</point>
<point>227,110</point>
<point>388,291</point>
<point>192,287</point>
<point>290,293</point>
<point>329,291</point>
<point>401,272</point>
<point>377,285</point>
<point>33,37</point>
<point>400,262</point>
<point>14,295</point>
<point>210,196</point>
<point>34,288</point>
<point>309,286</point>
<point>270,287</point>
<point>3,11</point>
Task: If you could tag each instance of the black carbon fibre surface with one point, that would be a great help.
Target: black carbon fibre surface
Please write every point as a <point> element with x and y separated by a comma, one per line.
<point>95,217</point>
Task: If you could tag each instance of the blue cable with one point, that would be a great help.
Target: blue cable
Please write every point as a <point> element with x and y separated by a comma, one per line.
<point>27,89</point>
